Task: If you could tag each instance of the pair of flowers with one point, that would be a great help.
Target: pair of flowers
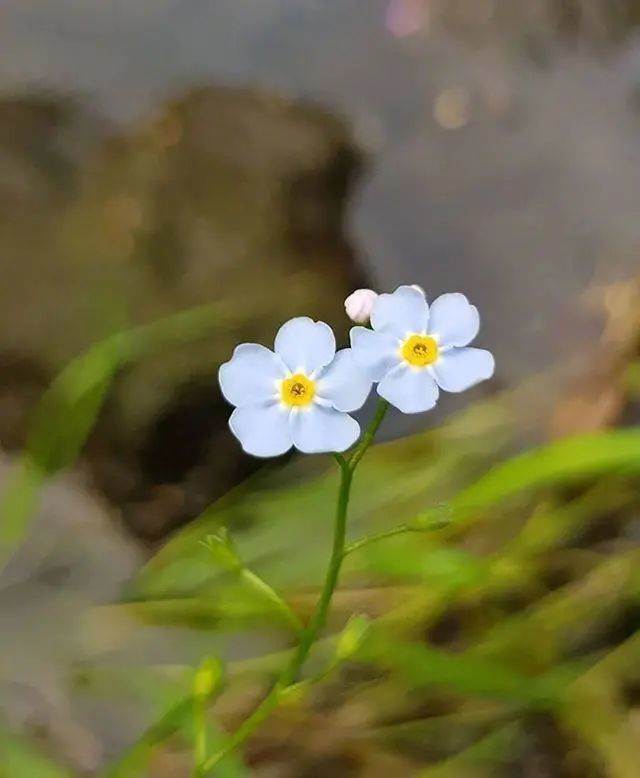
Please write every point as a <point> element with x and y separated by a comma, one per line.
<point>301,394</point>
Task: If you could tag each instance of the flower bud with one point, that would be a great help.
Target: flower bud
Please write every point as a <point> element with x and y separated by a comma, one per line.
<point>359,305</point>
<point>352,637</point>
<point>207,678</point>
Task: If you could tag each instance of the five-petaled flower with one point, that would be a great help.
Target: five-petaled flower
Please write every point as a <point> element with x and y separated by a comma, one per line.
<point>298,396</point>
<point>413,349</point>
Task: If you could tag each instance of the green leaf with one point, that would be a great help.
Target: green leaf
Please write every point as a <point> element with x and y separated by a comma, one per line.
<point>403,557</point>
<point>63,419</point>
<point>484,759</point>
<point>231,608</point>
<point>68,410</point>
<point>289,536</point>
<point>423,666</point>
<point>393,484</point>
<point>19,759</point>
<point>564,461</point>
<point>178,719</point>
<point>352,637</point>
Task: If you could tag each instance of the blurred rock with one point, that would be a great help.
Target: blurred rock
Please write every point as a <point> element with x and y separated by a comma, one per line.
<point>74,557</point>
<point>230,195</point>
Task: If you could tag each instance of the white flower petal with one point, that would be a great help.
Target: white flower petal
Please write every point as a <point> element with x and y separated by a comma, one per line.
<point>461,368</point>
<point>319,429</point>
<point>251,374</point>
<point>454,320</point>
<point>343,383</point>
<point>375,352</point>
<point>305,345</point>
<point>401,313</point>
<point>409,390</point>
<point>263,430</point>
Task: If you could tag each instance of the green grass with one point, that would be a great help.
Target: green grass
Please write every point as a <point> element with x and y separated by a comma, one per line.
<point>511,605</point>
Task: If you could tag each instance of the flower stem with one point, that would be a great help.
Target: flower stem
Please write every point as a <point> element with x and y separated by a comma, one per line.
<point>289,675</point>
<point>200,735</point>
<point>370,433</point>
<point>331,579</point>
<point>262,587</point>
<point>400,529</point>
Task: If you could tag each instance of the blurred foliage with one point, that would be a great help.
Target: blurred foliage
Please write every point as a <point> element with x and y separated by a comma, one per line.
<point>20,759</point>
<point>511,602</point>
<point>503,624</point>
<point>501,635</point>
<point>69,409</point>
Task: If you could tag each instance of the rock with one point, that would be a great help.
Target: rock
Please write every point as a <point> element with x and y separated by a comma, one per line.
<point>74,557</point>
<point>230,195</point>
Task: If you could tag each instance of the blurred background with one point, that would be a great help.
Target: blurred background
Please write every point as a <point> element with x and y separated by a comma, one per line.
<point>178,176</point>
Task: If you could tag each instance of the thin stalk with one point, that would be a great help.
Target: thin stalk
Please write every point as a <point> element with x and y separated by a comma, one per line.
<point>401,529</point>
<point>266,591</point>
<point>370,433</point>
<point>309,636</point>
<point>319,617</point>
<point>207,681</point>
<point>132,761</point>
<point>200,735</point>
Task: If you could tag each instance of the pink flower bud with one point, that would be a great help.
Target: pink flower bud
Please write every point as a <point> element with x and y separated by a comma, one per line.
<point>359,305</point>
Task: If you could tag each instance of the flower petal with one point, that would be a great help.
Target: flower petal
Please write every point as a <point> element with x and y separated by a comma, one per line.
<point>320,429</point>
<point>410,390</point>
<point>343,383</point>
<point>374,352</point>
<point>263,430</point>
<point>305,345</point>
<point>454,320</point>
<point>461,368</point>
<point>250,375</point>
<point>402,313</point>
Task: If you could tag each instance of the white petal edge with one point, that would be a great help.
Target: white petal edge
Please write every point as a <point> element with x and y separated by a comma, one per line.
<point>343,383</point>
<point>453,320</point>
<point>402,313</point>
<point>409,390</point>
<point>305,345</point>
<point>375,352</point>
<point>263,430</point>
<point>462,368</point>
<point>320,430</point>
<point>251,374</point>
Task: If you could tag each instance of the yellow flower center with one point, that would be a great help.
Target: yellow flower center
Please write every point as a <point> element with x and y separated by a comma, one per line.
<point>298,390</point>
<point>419,350</point>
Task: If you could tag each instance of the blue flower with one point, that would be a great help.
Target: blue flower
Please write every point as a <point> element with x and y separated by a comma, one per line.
<point>298,396</point>
<point>413,351</point>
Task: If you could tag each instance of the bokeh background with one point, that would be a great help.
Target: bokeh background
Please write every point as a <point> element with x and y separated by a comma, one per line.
<point>177,176</point>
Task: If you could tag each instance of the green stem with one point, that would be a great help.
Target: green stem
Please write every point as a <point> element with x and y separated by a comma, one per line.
<point>309,636</point>
<point>401,529</point>
<point>206,682</point>
<point>331,579</point>
<point>133,760</point>
<point>370,433</point>
<point>200,735</point>
<point>266,591</point>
